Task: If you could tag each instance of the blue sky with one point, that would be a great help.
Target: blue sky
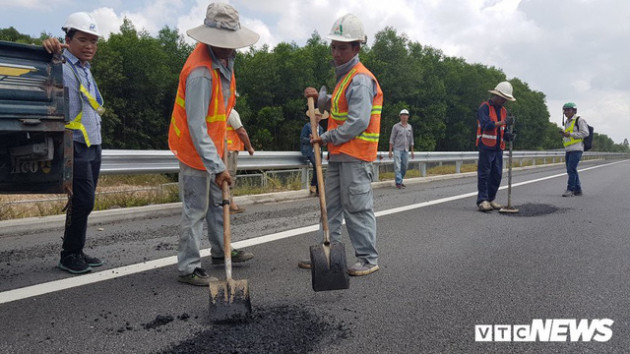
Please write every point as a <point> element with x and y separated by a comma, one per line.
<point>571,50</point>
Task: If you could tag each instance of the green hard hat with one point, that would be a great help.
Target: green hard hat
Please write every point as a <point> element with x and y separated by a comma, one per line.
<point>569,105</point>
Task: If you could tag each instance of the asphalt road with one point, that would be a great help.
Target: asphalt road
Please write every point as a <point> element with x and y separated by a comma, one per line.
<point>445,268</point>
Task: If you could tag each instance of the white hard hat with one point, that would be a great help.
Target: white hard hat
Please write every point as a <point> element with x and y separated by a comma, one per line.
<point>81,21</point>
<point>503,89</point>
<point>348,28</point>
<point>404,111</point>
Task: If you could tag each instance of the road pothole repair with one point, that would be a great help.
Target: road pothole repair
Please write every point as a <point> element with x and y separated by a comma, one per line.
<point>528,210</point>
<point>283,329</point>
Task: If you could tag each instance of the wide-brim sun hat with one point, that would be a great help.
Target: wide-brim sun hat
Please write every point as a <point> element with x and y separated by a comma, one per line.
<point>504,89</point>
<point>325,115</point>
<point>222,29</point>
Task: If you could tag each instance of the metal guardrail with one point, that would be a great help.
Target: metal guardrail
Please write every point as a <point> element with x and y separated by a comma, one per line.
<point>118,162</point>
<point>163,161</point>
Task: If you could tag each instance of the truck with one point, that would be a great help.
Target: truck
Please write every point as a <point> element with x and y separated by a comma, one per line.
<point>35,146</point>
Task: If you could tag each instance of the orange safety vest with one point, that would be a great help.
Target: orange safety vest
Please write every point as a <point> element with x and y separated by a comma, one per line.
<point>234,141</point>
<point>179,140</point>
<point>489,137</point>
<point>364,146</point>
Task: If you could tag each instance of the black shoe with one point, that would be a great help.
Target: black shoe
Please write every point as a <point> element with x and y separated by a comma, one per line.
<point>92,261</point>
<point>577,193</point>
<point>74,263</point>
<point>403,185</point>
<point>198,277</point>
<point>238,256</point>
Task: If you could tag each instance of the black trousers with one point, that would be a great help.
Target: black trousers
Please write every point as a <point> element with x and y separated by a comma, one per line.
<point>86,169</point>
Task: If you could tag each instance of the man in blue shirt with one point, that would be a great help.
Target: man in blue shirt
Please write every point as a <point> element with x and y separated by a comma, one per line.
<point>86,107</point>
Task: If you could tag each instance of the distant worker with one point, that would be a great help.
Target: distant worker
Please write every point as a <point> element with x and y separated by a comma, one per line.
<point>307,147</point>
<point>205,96</point>
<point>237,140</point>
<point>86,108</point>
<point>401,142</point>
<point>352,141</point>
<point>573,135</point>
<point>492,119</point>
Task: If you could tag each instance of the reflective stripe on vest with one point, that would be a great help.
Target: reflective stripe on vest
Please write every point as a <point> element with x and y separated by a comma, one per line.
<point>364,146</point>
<point>179,139</point>
<point>234,141</point>
<point>566,141</point>
<point>76,123</point>
<point>489,137</point>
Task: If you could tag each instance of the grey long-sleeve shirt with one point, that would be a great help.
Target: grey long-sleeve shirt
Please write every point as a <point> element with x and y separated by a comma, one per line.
<point>360,95</point>
<point>401,138</point>
<point>198,95</point>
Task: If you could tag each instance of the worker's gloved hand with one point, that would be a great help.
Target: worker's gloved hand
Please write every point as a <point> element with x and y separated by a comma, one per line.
<point>509,120</point>
<point>507,136</point>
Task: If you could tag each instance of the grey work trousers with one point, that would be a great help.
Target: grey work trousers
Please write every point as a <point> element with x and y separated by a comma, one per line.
<point>349,195</point>
<point>201,199</point>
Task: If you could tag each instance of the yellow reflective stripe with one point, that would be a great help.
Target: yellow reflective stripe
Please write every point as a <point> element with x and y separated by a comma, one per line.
<point>342,89</point>
<point>180,102</point>
<point>177,131</point>
<point>91,100</point>
<point>229,127</point>
<point>77,125</point>
<point>377,109</point>
<point>371,137</point>
<point>217,118</point>
<point>340,116</point>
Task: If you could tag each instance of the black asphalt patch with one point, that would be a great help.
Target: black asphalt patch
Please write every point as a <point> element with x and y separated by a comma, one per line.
<point>283,329</point>
<point>529,210</point>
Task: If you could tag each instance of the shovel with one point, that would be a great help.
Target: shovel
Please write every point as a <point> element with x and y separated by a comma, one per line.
<point>329,270</point>
<point>229,299</point>
<point>509,209</point>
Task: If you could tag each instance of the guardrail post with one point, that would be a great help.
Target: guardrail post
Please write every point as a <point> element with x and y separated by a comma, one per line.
<point>458,166</point>
<point>520,162</point>
<point>375,171</point>
<point>305,178</point>
<point>423,169</point>
<point>544,160</point>
<point>534,161</point>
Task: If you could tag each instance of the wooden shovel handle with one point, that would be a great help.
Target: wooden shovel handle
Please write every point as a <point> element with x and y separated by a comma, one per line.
<point>227,234</point>
<point>318,170</point>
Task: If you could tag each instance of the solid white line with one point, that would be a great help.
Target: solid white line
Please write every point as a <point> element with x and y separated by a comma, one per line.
<point>67,283</point>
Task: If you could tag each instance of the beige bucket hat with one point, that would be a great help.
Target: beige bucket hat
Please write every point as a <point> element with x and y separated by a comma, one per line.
<point>222,29</point>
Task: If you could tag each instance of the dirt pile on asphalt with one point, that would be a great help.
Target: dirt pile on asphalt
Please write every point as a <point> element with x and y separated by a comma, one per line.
<point>284,329</point>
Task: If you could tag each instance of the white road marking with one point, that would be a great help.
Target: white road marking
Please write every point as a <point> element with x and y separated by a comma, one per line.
<point>67,283</point>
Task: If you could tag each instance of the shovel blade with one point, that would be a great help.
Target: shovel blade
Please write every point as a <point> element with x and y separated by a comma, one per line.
<point>329,270</point>
<point>229,300</point>
<point>508,210</point>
